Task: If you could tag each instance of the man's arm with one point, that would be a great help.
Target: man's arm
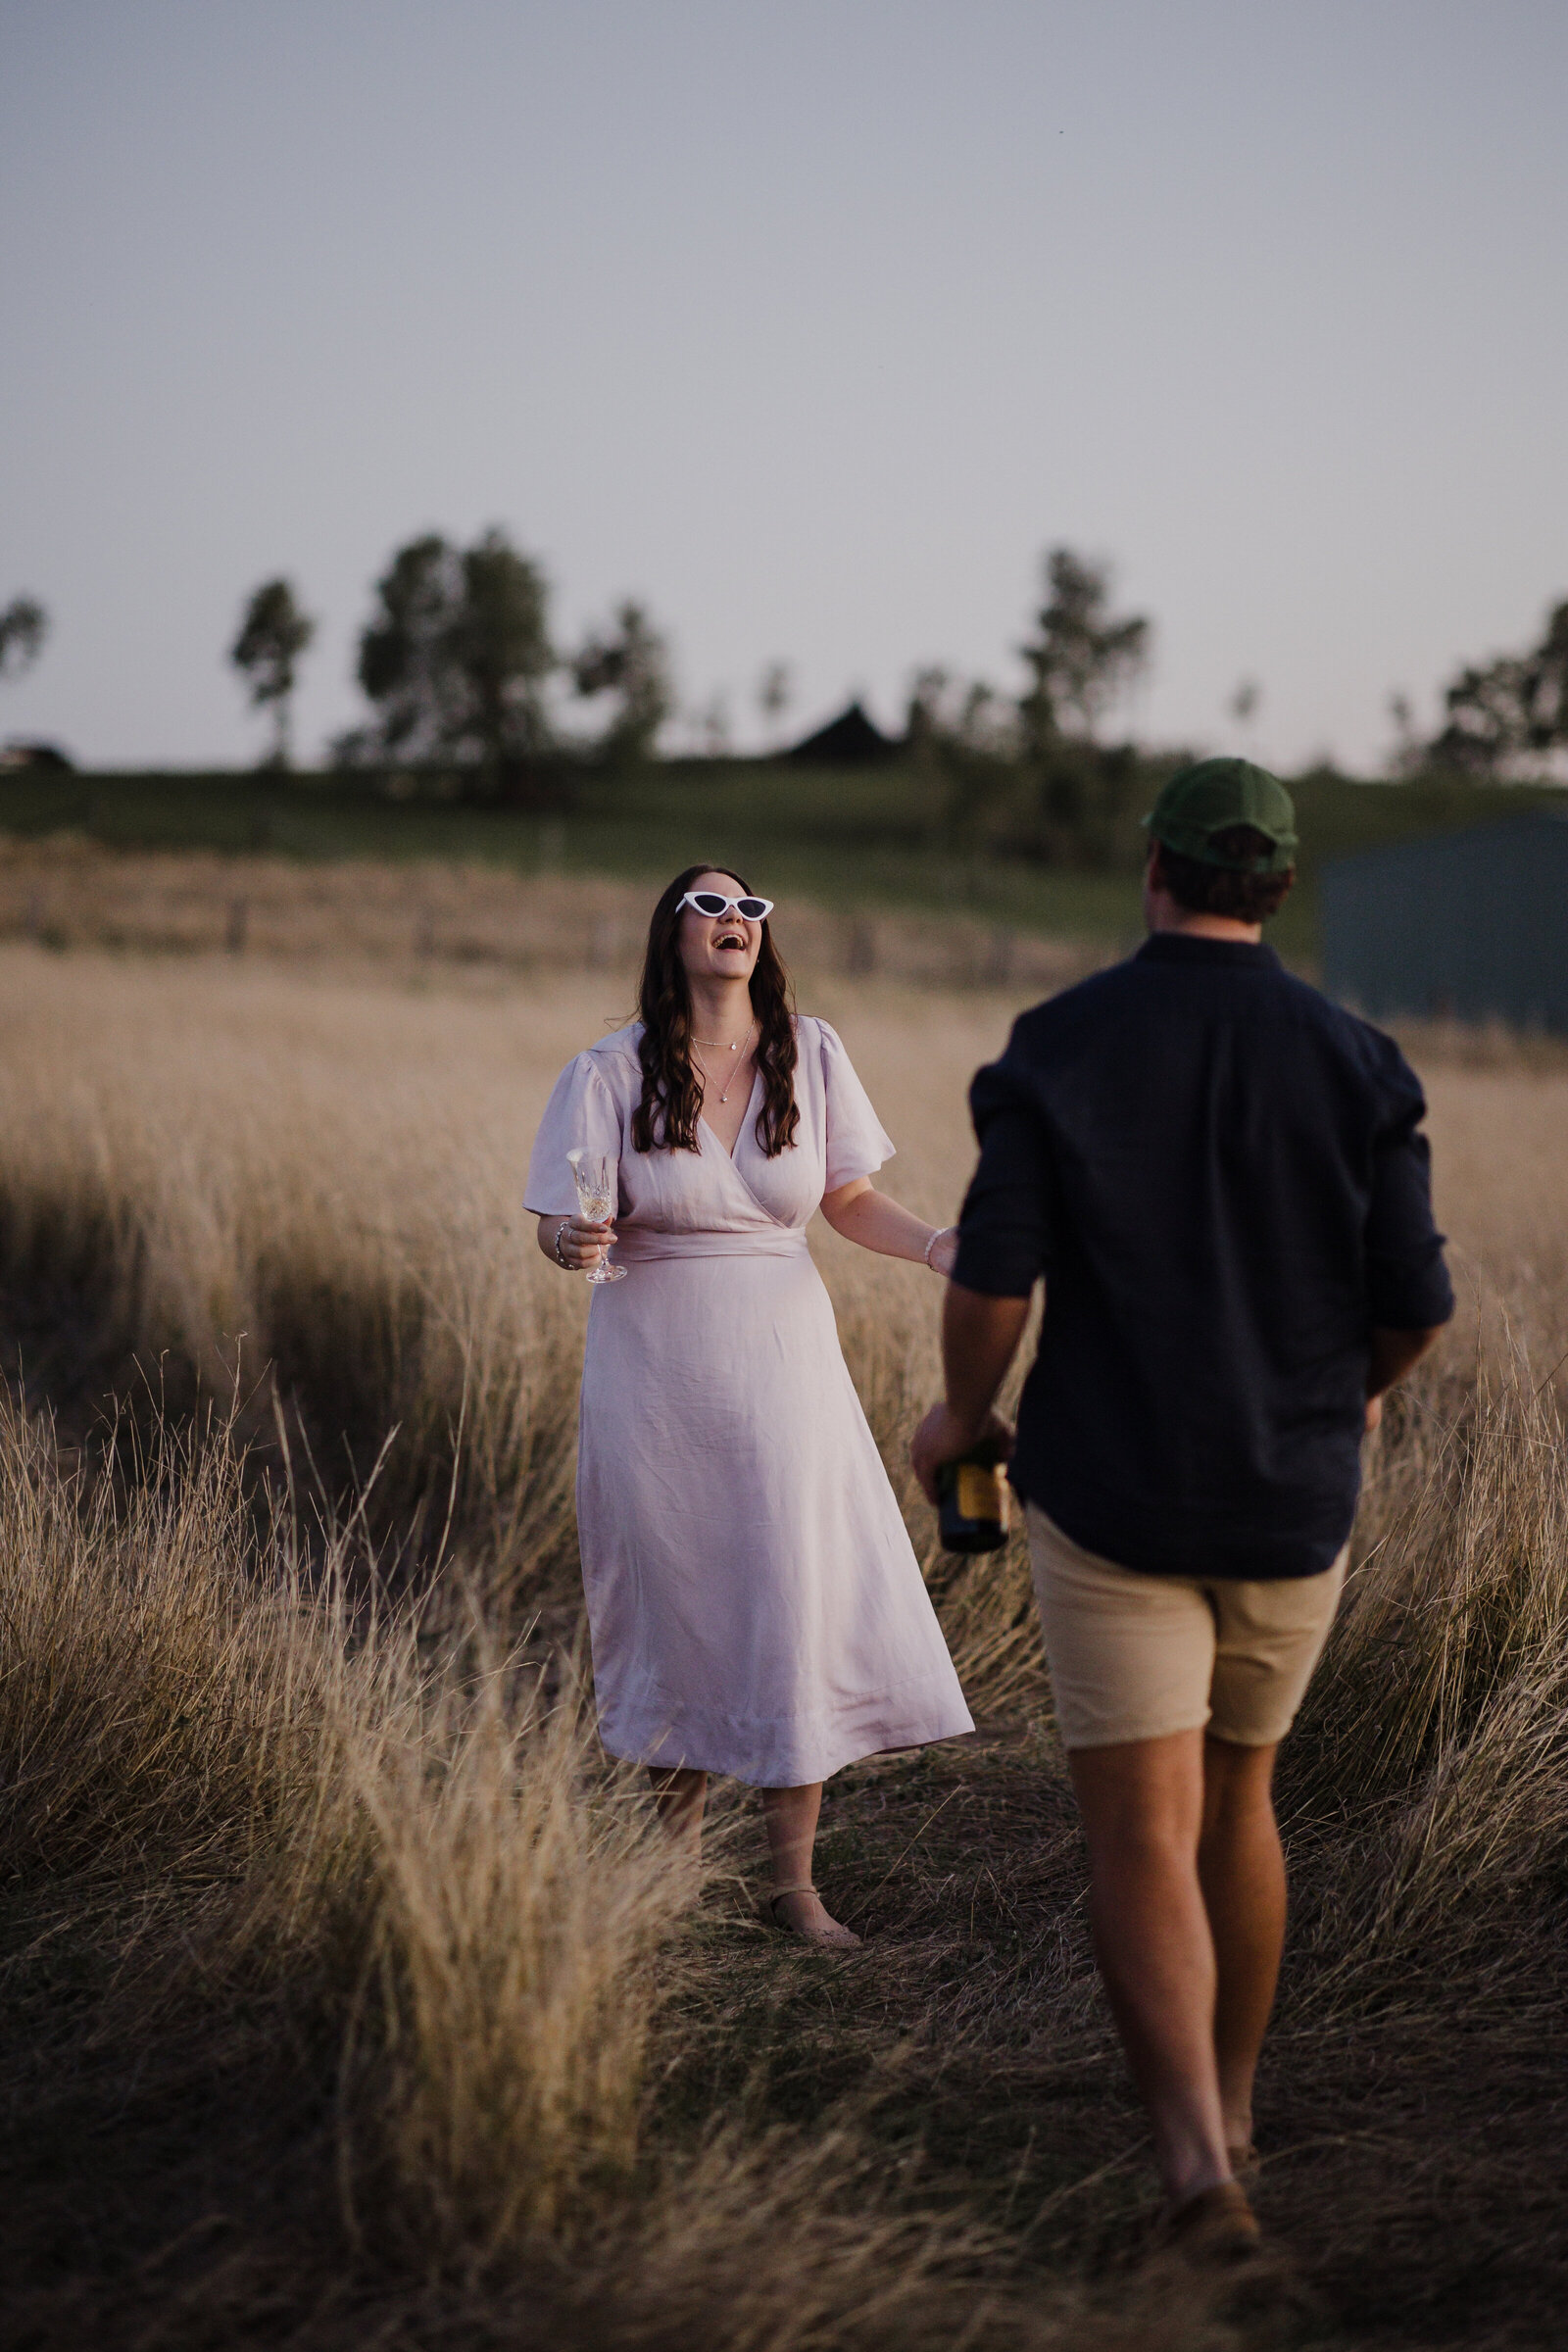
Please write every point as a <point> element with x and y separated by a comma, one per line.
<point>1410,1296</point>
<point>1393,1354</point>
<point>1003,1240</point>
<point>980,1337</point>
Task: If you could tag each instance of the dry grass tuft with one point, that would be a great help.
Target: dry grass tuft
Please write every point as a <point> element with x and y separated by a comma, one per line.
<point>1444,1707</point>
<point>154,1706</point>
<point>516,1927</point>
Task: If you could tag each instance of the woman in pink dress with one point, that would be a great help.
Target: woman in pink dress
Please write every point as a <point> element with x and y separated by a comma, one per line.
<point>754,1602</point>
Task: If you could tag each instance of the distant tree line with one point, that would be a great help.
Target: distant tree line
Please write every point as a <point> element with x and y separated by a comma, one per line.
<point>1032,775</point>
<point>463,675</point>
<point>457,663</point>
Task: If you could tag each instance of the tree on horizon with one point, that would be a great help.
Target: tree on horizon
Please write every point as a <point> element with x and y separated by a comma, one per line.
<point>23,629</point>
<point>456,656</point>
<point>273,635</point>
<point>776,689</point>
<point>1080,658</point>
<point>631,662</point>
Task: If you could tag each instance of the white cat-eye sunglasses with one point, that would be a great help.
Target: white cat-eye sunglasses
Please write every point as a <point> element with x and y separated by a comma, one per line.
<point>713,904</point>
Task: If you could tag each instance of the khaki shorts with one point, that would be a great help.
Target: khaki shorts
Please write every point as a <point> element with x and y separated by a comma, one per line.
<point>1136,1657</point>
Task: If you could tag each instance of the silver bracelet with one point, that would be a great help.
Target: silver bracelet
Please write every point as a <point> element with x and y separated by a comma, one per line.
<point>560,1229</point>
<point>935,1238</point>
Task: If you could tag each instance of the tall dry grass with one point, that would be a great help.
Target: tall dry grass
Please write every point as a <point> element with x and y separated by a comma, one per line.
<point>216,1178</point>
<point>1444,1709</point>
<point>402,1853</point>
<point>397,1829</point>
<point>282,1738</point>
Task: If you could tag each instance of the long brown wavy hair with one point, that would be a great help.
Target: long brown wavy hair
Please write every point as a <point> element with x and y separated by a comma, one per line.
<point>673,1093</point>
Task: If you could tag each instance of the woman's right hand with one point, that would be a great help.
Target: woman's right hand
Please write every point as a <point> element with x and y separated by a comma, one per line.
<point>579,1245</point>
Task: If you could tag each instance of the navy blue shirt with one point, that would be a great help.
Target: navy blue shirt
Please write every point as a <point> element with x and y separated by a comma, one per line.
<point>1221,1177</point>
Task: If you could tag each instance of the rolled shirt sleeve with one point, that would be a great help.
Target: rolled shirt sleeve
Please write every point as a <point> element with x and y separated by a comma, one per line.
<point>1004,1226</point>
<point>1408,1286</point>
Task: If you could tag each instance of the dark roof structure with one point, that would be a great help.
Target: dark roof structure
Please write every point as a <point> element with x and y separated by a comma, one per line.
<point>23,752</point>
<point>1471,924</point>
<point>852,740</point>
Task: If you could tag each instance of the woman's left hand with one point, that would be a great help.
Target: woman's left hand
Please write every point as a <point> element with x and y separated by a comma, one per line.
<point>944,1252</point>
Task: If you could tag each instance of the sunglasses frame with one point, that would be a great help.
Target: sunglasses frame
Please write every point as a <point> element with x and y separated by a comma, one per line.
<point>729,907</point>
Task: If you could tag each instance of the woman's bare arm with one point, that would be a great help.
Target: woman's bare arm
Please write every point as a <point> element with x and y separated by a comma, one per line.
<point>864,1215</point>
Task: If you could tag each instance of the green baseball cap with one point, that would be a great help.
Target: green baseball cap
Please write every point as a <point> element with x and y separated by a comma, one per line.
<point>1213,794</point>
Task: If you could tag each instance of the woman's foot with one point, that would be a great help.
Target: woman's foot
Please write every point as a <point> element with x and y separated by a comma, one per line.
<point>801,1911</point>
<point>1240,2149</point>
<point>1214,2229</point>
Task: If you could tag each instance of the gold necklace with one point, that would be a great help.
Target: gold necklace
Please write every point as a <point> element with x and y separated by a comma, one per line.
<point>719,1041</point>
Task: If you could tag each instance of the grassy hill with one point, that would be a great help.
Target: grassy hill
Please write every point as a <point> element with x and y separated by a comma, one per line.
<point>878,835</point>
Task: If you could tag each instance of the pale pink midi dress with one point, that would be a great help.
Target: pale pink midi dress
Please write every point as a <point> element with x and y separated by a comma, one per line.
<point>755,1605</point>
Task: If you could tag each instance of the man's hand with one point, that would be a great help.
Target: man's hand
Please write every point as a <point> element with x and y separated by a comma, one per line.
<point>980,1337</point>
<point>1391,1355</point>
<point>941,1437</point>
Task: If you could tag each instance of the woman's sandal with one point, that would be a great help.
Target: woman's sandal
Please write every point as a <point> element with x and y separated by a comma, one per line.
<point>833,1939</point>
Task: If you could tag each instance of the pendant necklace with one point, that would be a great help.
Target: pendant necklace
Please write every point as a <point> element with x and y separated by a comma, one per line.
<point>719,1041</point>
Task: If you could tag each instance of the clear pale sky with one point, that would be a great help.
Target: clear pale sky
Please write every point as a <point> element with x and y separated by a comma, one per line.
<point>810,323</point>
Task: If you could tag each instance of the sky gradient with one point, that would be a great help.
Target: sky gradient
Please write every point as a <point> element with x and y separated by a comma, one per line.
<point>812,325</point>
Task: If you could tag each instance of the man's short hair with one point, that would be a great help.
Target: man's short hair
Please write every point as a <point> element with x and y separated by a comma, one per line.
<point>1206,889</point>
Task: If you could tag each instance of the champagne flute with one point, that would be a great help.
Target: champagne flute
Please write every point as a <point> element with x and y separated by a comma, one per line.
<point>594,1175</point>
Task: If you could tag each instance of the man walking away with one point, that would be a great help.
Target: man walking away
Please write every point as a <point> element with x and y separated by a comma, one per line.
<point>1221,1178</point>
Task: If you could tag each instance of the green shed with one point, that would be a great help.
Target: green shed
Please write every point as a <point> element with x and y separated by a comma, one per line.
<point>1471,924</point>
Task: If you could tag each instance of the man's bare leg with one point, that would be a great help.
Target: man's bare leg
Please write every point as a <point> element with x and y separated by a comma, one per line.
<point>1241,1867</point>
<point>1143,1809</point>
<point>791,1815</point>
<point>680,1795</point>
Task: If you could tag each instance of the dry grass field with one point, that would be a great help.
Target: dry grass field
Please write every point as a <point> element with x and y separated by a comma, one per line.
<point>350,1998</point>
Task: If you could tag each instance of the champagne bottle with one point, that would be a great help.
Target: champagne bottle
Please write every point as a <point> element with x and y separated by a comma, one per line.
<point>973,1496</point>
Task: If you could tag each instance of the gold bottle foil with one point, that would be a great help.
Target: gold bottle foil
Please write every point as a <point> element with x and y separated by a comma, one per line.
<point>981,1492</point>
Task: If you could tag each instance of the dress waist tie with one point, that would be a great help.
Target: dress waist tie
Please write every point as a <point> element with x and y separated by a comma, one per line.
<point>637,1243</point>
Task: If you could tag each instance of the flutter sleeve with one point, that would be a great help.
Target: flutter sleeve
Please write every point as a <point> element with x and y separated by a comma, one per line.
<point>580,1111</point>
<point>856,1144</point>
